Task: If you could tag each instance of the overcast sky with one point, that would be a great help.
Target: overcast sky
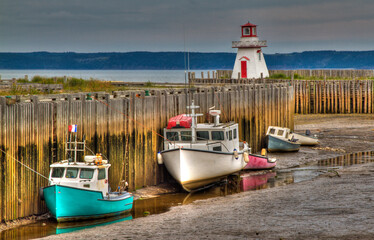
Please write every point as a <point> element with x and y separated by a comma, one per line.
<point>164,25</point>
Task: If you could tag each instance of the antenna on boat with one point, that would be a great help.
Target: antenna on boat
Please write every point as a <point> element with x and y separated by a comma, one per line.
<point>194,120</point>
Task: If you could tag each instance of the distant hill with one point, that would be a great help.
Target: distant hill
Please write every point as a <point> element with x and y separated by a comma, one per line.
<point>176,60</point>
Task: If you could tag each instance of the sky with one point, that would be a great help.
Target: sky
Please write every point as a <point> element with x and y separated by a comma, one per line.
<point>184,25</point>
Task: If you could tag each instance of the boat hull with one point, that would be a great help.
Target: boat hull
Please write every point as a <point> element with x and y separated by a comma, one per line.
<point>281,145</point>
<point>259,162</point>
<point>305,140</point>
<point>194,168</point>
<point>70,204</point>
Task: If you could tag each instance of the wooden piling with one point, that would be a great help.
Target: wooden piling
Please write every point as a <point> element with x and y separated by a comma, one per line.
<point>123,127</point>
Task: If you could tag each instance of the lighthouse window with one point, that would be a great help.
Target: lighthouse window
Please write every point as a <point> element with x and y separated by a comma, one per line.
<point>254,32</point>
<point>246,31</point>
<point>186,135</point>
<point>58,172</point>
<point>86,173</point>
<point>259,56</point>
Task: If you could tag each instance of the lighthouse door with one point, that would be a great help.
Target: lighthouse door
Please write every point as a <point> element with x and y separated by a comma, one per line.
<point>244,69</point>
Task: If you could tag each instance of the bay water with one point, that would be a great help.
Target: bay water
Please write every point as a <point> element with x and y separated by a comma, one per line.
<point>161,76</point>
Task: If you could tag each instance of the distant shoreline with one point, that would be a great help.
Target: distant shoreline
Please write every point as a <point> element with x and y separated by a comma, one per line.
<point>177,60</point>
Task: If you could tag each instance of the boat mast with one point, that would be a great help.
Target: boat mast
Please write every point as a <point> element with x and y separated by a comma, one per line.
<point>194,120</point>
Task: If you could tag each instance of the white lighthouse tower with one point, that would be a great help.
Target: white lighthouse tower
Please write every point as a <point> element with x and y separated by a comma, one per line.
<point>249,62</point>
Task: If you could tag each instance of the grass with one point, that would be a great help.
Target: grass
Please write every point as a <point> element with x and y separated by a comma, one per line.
<point>73,85</point>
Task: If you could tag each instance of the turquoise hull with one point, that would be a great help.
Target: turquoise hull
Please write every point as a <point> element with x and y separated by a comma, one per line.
<point>280,145</point>
<point>70,204</point>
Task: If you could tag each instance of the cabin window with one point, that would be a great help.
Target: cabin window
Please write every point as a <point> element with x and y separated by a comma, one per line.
<point>272,131</point>
<point>172,136</point>
<point>202,135</point>
<point>229,135</point>
<point>218,135</point>
<point>235,131</point>
<point>286,135</point>
<point>58,172</point>
<point>280,132</point>
<point>86,173</point>
<point>218,149</point>
<point>71,173</point>
<point>186,135</point>
<point>101,174</point>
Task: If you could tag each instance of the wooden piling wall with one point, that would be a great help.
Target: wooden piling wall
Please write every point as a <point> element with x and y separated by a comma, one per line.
<point>330,73</point>
<point>344,96</point>
<point>123,127</point>
<point>316,96</point>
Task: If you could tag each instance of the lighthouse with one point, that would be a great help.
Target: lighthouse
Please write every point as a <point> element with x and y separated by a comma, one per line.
<point>249,62</point>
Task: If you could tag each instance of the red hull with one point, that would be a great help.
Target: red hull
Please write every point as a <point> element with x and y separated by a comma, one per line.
<point>259,162</point>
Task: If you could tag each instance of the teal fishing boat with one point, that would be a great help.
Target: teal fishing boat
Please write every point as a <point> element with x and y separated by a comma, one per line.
<point>280,140</point>
<point>80,190</point>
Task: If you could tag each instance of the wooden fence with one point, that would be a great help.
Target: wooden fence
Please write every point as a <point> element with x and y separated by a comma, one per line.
<point>123,126</point>
<point>345,96</point>
<point>315,96</point>
<point>332,73</point>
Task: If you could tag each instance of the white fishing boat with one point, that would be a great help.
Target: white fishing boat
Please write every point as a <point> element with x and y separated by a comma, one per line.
<point>197,155</point>
<point>306,139</point>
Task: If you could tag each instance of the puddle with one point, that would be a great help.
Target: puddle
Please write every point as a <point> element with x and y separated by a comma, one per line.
<point>245,181</point>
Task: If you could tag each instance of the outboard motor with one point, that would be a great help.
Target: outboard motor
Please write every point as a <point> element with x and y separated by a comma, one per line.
<point>307,132</point>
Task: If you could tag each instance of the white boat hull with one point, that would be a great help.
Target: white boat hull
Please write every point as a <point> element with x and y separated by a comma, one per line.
<point>194,168</point>
<point>305,140</point>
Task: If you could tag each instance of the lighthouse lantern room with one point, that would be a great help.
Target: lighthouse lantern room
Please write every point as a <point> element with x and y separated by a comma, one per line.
<point>249,62</point>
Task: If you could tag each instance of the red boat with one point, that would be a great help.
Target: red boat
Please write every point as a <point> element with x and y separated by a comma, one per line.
<point>260,162</point>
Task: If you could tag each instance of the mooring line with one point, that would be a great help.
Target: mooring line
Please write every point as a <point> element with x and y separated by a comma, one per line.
<point>32,170</point>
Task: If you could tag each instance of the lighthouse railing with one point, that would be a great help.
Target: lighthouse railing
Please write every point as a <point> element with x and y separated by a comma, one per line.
<point>237,44</point>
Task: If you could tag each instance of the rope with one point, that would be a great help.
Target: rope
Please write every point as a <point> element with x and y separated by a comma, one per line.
<point>32,170</point>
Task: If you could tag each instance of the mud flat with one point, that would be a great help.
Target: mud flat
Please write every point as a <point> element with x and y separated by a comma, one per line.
<point>335,205</point>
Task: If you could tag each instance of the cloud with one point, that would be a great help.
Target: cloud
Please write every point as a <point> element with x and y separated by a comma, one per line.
<point>160,25</point>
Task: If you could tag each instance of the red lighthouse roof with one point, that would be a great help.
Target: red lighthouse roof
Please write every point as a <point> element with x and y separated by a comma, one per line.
<point>249,25</point>
<point>249,30</point>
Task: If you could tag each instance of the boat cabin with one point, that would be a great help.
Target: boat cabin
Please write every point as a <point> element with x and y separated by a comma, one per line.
<point>221,138</point>
<point>279,132</point>
<point>90,174</point>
